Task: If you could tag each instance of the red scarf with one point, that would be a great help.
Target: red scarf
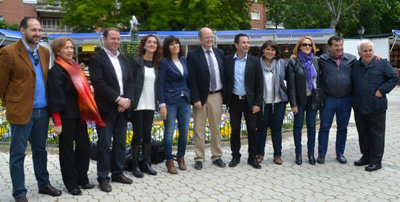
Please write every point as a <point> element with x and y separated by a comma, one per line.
<point>87,105</point>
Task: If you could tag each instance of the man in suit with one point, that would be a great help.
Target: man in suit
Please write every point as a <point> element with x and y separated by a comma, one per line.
<point>206,78</point>
<point>113,89</point>
<point>244,94</point>
<point>23,74</point>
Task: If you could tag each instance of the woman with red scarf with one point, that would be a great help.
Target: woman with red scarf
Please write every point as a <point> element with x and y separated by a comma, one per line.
<point>72,104</point>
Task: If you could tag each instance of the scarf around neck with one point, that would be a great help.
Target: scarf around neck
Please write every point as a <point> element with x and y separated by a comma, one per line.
<point>87,106</point>
<point>275,69</point>
<point>308,68</point>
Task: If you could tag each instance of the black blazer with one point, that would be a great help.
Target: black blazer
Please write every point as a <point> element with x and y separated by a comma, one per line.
<point>199,74</point>
<point>253,80</point>
<point>137,70</point>
<point>105,83</point>
<point>63,97</point>
<point>296,81</point>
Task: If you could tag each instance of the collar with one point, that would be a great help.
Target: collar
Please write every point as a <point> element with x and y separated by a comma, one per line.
<point>109,53</point>
<point>205,50</point>
<point>237,58</point>
<point>28,48</point>
<point>340,56</point>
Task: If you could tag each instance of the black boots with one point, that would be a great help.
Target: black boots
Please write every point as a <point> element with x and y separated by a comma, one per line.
<point>146,160</point>
<point>135,162</point>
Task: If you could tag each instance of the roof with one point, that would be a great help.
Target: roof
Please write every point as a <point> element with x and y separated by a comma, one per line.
<point>11,34</point>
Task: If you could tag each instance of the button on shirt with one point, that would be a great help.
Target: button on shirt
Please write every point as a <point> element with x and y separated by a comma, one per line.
<point>117,68</point>
<point>216,67</point>
<point>240,66</point>
<point>39,100</point>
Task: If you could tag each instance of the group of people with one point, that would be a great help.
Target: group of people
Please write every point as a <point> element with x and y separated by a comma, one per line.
<point>162,79</point>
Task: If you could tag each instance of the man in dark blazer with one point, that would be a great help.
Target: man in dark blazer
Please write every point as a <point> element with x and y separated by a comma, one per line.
<point>244,94</point>
<point>206,78</point>
<point>23,75</point>
<point>113,89</point>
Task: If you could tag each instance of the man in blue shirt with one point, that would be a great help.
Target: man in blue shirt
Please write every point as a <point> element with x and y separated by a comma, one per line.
<point>23,74</point>
<point>243,94</point>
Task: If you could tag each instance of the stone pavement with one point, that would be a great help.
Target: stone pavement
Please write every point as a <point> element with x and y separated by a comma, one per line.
<point>289,182</point>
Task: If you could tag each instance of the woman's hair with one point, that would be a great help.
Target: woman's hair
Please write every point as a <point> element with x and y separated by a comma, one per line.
<point>59,43</point>
<point>272,44</point>
<point>298,45</point>
<point>167,41</point>
<point>157,54</point>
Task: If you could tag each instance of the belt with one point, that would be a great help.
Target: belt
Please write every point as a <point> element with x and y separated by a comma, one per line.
<point>213,92</point>
<point>240,97</point>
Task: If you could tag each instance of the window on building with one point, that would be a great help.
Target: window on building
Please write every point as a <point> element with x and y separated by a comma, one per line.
<point>1,17</point>
<point>51,24</point>
<point>255,15</point>
<point>30,1</point>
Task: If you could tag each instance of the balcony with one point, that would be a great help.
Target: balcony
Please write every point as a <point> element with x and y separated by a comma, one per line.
<point>43,7</point>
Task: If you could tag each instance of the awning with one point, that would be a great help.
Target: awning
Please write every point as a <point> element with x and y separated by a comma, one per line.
<point>9,35</point>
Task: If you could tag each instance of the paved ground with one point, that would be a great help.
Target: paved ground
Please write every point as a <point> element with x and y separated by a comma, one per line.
<point>288,182</point>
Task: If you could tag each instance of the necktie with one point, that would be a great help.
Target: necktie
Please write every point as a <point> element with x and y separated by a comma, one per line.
<point>213,82</point>
<point>35,56</point>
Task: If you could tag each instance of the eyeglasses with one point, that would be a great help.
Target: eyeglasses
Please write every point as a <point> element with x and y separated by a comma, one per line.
<point>306,44</point>
<point>36,58</point>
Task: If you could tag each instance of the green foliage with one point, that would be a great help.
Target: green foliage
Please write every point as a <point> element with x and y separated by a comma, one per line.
<point>85,15</point>
<point>5,25</point>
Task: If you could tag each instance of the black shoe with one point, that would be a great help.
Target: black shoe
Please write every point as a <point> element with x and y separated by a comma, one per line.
<point>362,162</point>
<point>75,191</point>
<point>321,160</point>
<point>299,161</point>
<point>341,158</point>
<point>50,190</point>
<point>87,186</point>
<point>135,161</point>
<point>198,165</point>
<point>105,186</point>
<point>122,179</point>
<point>373,167</point>
<point>235,161</point>
<point>219,163</point>
<point>311,159</point>
<point>253,162</point>
<point>146,159</point>
<point>21,199</point>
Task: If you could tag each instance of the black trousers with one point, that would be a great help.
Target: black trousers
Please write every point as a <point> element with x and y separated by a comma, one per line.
<point>236,109</point>
<point>74,162</point>
<point>371,135</point>
<point>142,122</point>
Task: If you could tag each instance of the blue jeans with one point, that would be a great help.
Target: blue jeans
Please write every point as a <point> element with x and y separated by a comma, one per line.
<point>111,160</point>
<point>180,111</point>
<point>342,108</point>
<point>36,132</point>
<point>273,120</point>
<point>298,126</point>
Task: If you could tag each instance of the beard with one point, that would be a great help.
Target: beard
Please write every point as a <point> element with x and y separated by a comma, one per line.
<point>31,41</point>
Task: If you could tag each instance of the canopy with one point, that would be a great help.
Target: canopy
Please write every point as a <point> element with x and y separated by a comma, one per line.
<point>10,35</point>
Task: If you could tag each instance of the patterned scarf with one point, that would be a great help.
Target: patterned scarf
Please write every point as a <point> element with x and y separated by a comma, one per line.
<point>87,106</point>
<point>308,68</point>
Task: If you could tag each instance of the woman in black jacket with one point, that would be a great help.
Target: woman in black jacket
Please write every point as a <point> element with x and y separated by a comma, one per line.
<point>302,76</point>
<point>145,75</point>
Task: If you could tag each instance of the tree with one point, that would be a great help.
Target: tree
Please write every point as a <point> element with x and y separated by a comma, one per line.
<point>85,15</point>
<point>5,25</point>
<point>336,8</point>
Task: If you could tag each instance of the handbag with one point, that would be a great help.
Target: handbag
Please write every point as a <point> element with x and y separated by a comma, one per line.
<point>318,98</point>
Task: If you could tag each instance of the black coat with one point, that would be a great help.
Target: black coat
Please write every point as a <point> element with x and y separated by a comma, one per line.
<point>296,81</point>
<point>253,80</point>
<point>137,70</point>
<point>63,97</point>
<point>199,74</point>
<point>105,83</point>
<point>378,74</point>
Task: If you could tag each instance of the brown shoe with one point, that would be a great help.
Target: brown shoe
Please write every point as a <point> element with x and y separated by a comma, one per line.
<point>181,163</point>
<point>105,186</point>
<point>21,199</point>
<point>278,160</point>
<point>122,179</point>
<point>171,167</point>
<point>260,158</point>
<point>50,190</point>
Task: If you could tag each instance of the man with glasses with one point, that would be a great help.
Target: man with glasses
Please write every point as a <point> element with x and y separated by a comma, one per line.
<point>206,78</point>
<point>23,74</point>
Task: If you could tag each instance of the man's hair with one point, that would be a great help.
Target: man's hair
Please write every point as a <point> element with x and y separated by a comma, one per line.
<point>334,38</point>
<point>364,42</point>
<point>24,22</point>
<point>237,37</point>
<point>106,31</point>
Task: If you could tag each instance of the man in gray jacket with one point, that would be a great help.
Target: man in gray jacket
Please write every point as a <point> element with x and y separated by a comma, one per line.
<point>335,68</point>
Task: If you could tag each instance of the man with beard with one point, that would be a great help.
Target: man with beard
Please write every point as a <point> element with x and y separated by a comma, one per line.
<point>23,74</point>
